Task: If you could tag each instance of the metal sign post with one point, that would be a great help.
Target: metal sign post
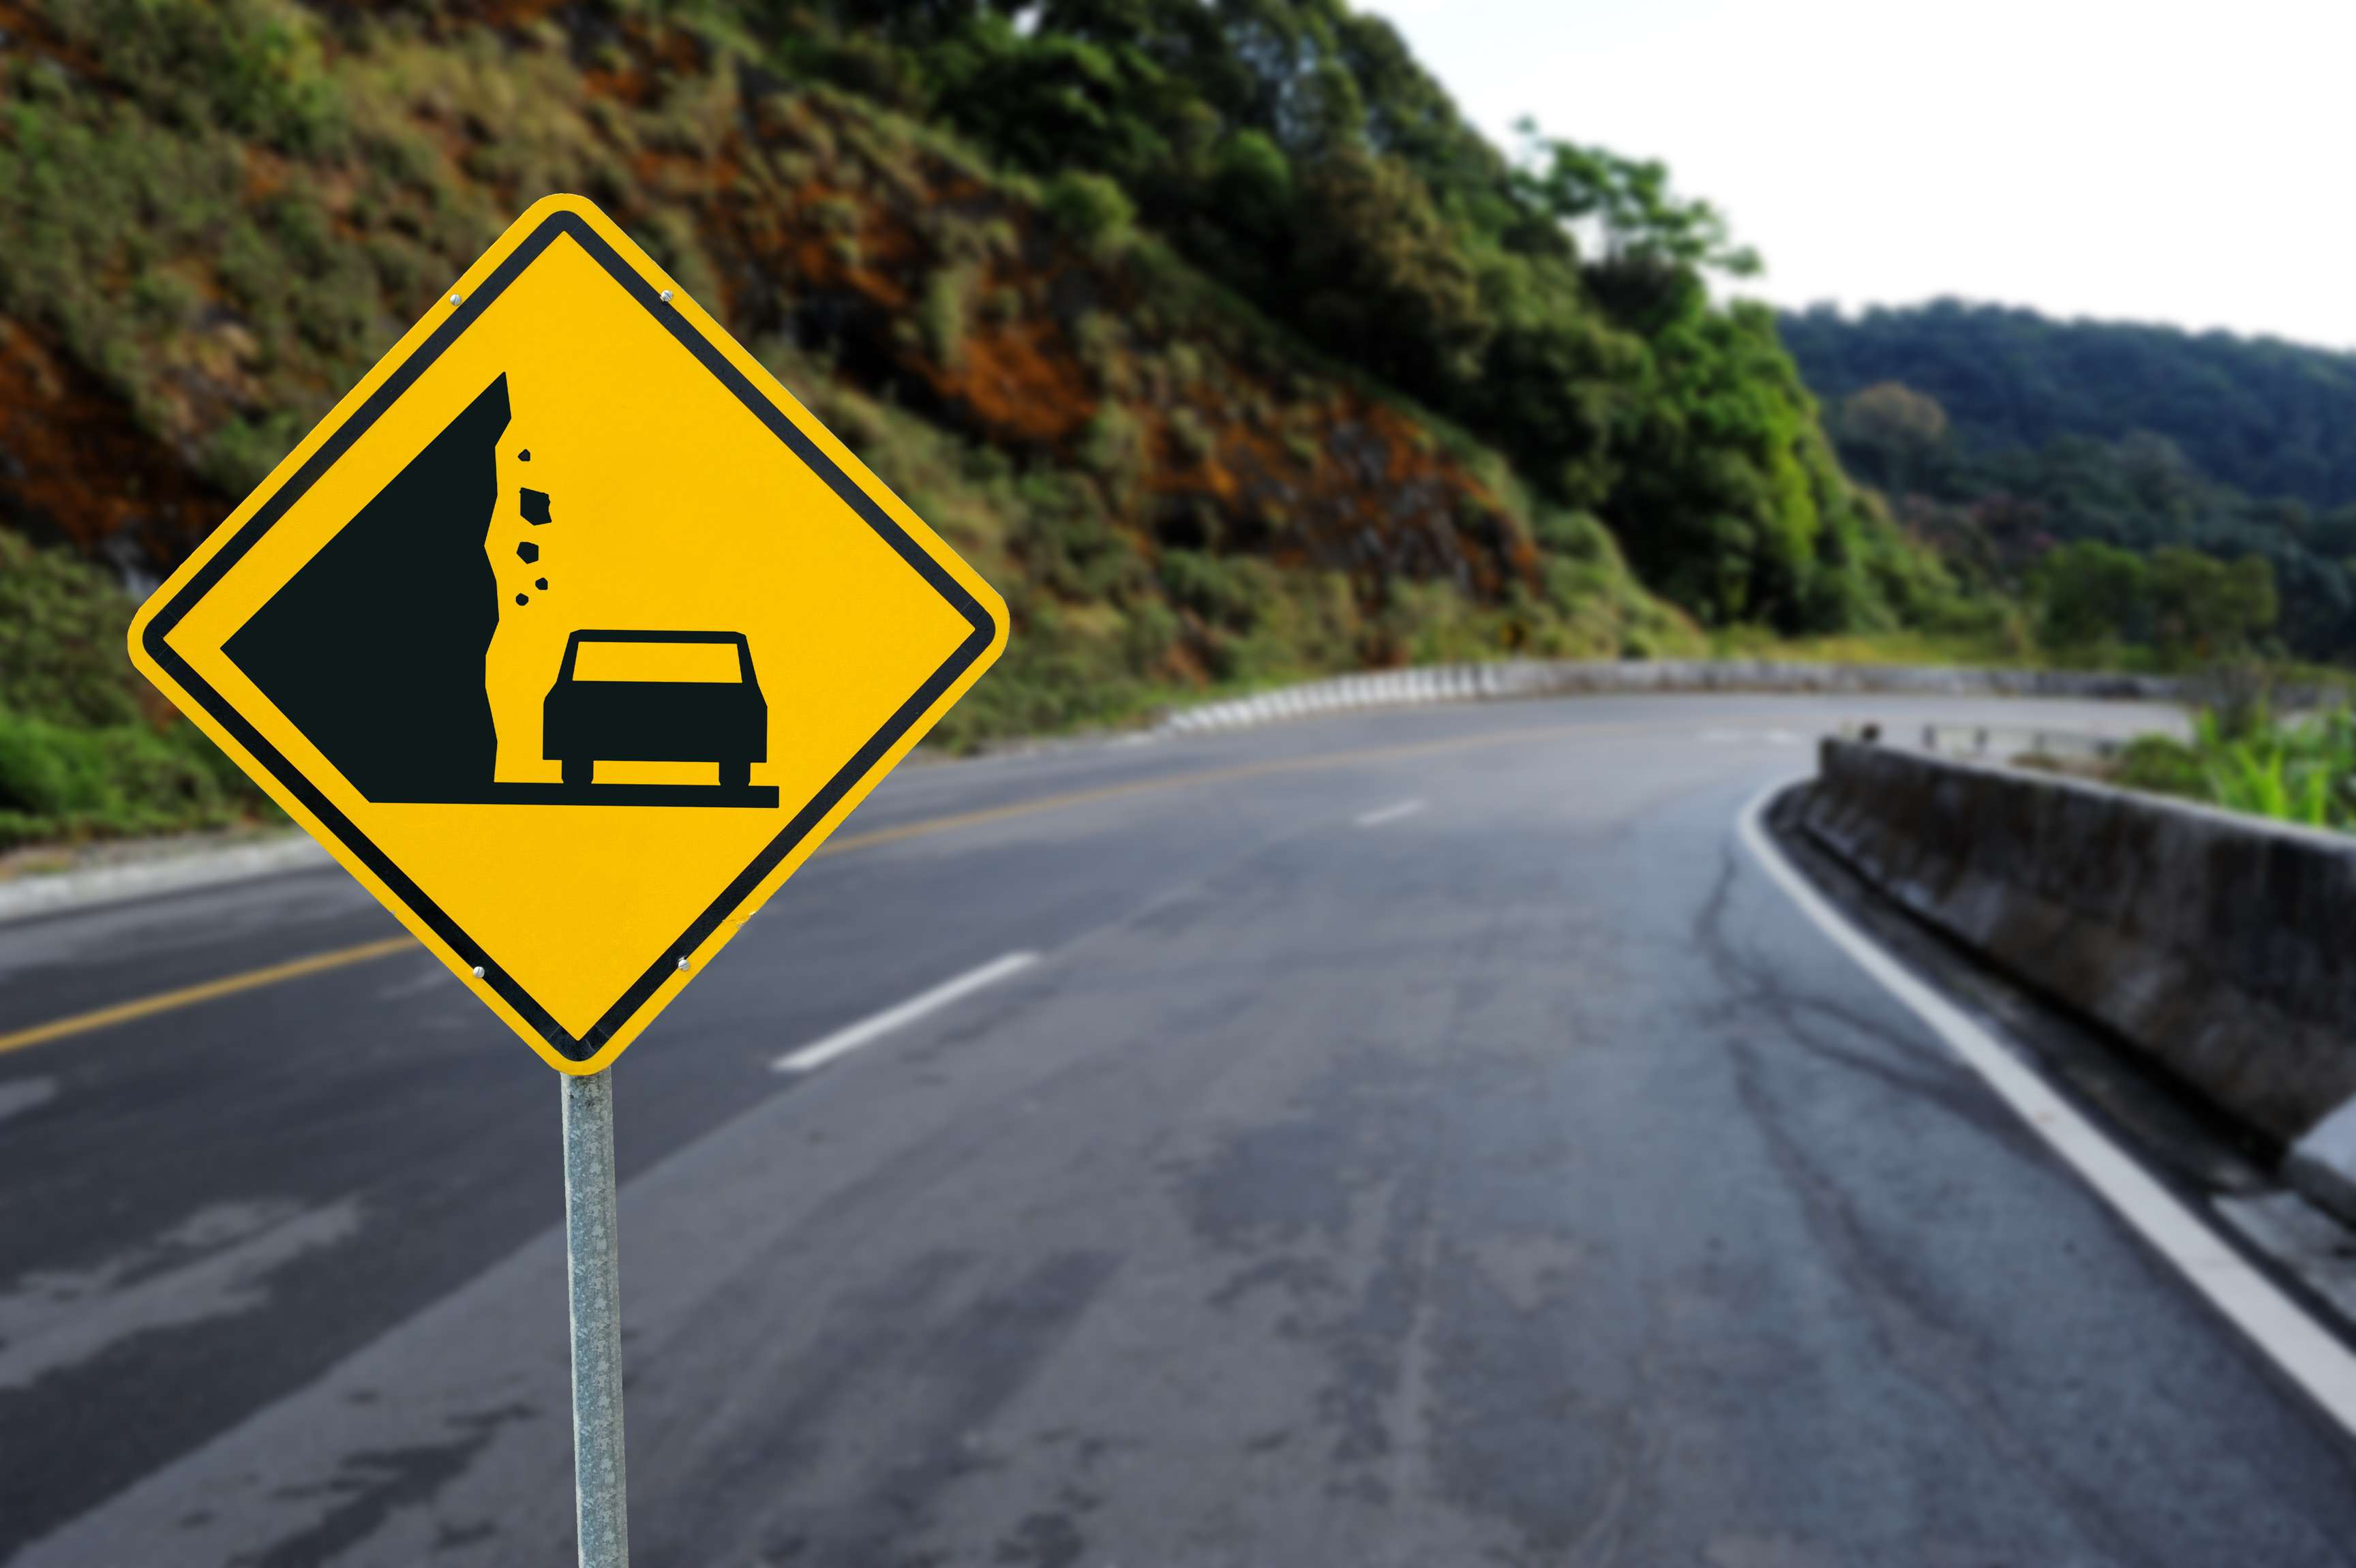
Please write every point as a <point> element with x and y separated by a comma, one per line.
<point>592,1245</point>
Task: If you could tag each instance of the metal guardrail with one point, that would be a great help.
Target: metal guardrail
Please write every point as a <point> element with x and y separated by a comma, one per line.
<point>1503,679</point>
<point>2004,741</point>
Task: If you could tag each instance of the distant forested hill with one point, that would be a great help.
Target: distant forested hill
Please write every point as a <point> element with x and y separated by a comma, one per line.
<point>2039,456</point>
<point>2265,418</point>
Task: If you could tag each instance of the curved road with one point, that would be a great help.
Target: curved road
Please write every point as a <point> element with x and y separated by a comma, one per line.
<point>1421,1138</point>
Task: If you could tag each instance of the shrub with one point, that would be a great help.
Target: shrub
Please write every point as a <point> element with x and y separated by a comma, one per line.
<point>2165,766</point>
<point>1090,209</point>
<point>60,781</point>
<point>941,316</point>
<point>1189,436</point>
<point>252,66</point>
<point>62,624</point>
<point>78,755</point>
<point>2303,772</point>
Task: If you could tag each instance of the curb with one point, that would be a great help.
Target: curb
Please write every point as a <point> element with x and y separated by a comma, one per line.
<point>30,897</point>
<point>2322,1164</point>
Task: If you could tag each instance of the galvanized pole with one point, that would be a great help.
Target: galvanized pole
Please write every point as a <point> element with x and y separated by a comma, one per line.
<point>592,1243</point>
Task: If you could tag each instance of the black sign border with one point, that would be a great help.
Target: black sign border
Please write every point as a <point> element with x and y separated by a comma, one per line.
<point>707,353</point>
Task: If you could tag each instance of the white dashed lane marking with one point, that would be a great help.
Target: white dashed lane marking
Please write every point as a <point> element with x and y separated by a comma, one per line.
<point>842,1042</point>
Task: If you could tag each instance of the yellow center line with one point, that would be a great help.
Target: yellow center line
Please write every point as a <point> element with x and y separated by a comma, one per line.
<point>318,963</point>
<point>188,995</point>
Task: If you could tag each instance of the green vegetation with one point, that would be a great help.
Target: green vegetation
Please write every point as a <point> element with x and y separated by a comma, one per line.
<point>2259,415</point>
<point>1048,324</point>
<point>1114,630</point>
<point>2188,609</point>
<point>2121,553</point>
<point>82,753</point>
<point>1211,331</point>
<point>2303,772</point>
<point>2000,436</point>
<point>1295,151</point>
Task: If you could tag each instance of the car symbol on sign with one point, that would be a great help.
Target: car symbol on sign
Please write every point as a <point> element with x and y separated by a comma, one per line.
<point>593,717</point>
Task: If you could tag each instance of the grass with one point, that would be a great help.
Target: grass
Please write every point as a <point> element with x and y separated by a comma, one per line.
<point>1986,651</point>
<point>85,750</point>
<point>62,783</point>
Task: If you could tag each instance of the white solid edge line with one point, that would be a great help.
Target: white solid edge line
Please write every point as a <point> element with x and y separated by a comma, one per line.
<point>2307,1352</point>
<point>1382,814</point>
<point>842,1042</point>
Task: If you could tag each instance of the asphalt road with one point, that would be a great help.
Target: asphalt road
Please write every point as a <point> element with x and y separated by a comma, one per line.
<point>1425,1138</point>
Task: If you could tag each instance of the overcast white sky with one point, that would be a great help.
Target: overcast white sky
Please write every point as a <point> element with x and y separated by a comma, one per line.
<point>2154,161</point>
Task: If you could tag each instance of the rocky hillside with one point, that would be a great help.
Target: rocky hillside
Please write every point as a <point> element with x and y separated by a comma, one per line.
<point>1147,307</point>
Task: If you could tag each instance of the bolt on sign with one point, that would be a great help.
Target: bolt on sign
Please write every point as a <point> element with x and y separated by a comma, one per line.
<point>570,633</point>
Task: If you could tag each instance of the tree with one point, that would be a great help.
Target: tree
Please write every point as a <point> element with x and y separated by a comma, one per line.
<point>1393,285</point>
<point>1893,411</point>
<point>2090,593</point>
<point>2265,418</point>
<point>1556,304</point>
<point>1629,202</point>
<point>1891,432</point>
<point>2204,609</point>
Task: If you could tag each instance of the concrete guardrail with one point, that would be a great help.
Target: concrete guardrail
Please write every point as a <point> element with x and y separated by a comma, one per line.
<point>2215,944</point>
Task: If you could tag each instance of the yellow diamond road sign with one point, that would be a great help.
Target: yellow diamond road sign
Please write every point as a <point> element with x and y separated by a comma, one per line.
<point>570,633</point>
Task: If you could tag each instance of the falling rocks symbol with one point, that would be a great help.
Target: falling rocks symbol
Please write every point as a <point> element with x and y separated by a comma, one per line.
<point>375,648</point>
